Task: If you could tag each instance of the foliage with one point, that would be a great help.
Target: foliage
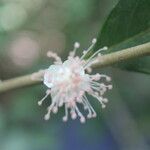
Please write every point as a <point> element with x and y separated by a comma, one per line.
<point>127,25</point>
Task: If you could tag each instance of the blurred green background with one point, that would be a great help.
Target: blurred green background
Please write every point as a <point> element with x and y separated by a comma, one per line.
<point>28,29</point>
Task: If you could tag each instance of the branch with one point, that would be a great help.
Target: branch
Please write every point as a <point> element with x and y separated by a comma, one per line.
<point>122,55</point>
<point>101,61</point>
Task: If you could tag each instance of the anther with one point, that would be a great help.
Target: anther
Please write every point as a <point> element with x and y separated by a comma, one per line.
<point>76,44</point>
<point>110,87</point>
<point>105,48</point>
<point>82,119</point>
<point>47,116</point>
<point>65,118</point>
<point>94,40</point>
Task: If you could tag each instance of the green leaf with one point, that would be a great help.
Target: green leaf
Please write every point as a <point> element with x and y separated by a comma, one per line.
<point>127,25</point>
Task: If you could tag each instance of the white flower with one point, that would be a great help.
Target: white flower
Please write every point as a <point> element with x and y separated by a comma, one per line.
<point>68,84</point>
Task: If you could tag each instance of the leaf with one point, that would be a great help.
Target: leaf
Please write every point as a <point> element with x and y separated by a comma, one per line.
<point>127,25</point>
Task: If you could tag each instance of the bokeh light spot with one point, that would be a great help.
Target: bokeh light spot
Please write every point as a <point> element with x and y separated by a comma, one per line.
<point>12,16</point>
<point>24,51</point>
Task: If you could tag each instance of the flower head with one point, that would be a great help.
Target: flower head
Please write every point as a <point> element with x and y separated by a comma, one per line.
<point>69,83</point>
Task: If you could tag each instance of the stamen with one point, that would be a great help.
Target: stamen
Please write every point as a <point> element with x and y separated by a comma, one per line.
<point>93,111</point>
<point>55,56</point>
<point>76,46</point>
<point>90,48</point>
<point>90,108</point>
<point>82,118</point>
<point>97,52</point>
<point>65,118</point>
<point>47,116</point>
<point>73,113</point>
<point>41,101</point>
<point>100,99</point>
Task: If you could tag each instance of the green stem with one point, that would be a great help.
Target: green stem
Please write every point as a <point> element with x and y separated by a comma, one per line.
<point>122,55</point>
<point>102,61</point>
